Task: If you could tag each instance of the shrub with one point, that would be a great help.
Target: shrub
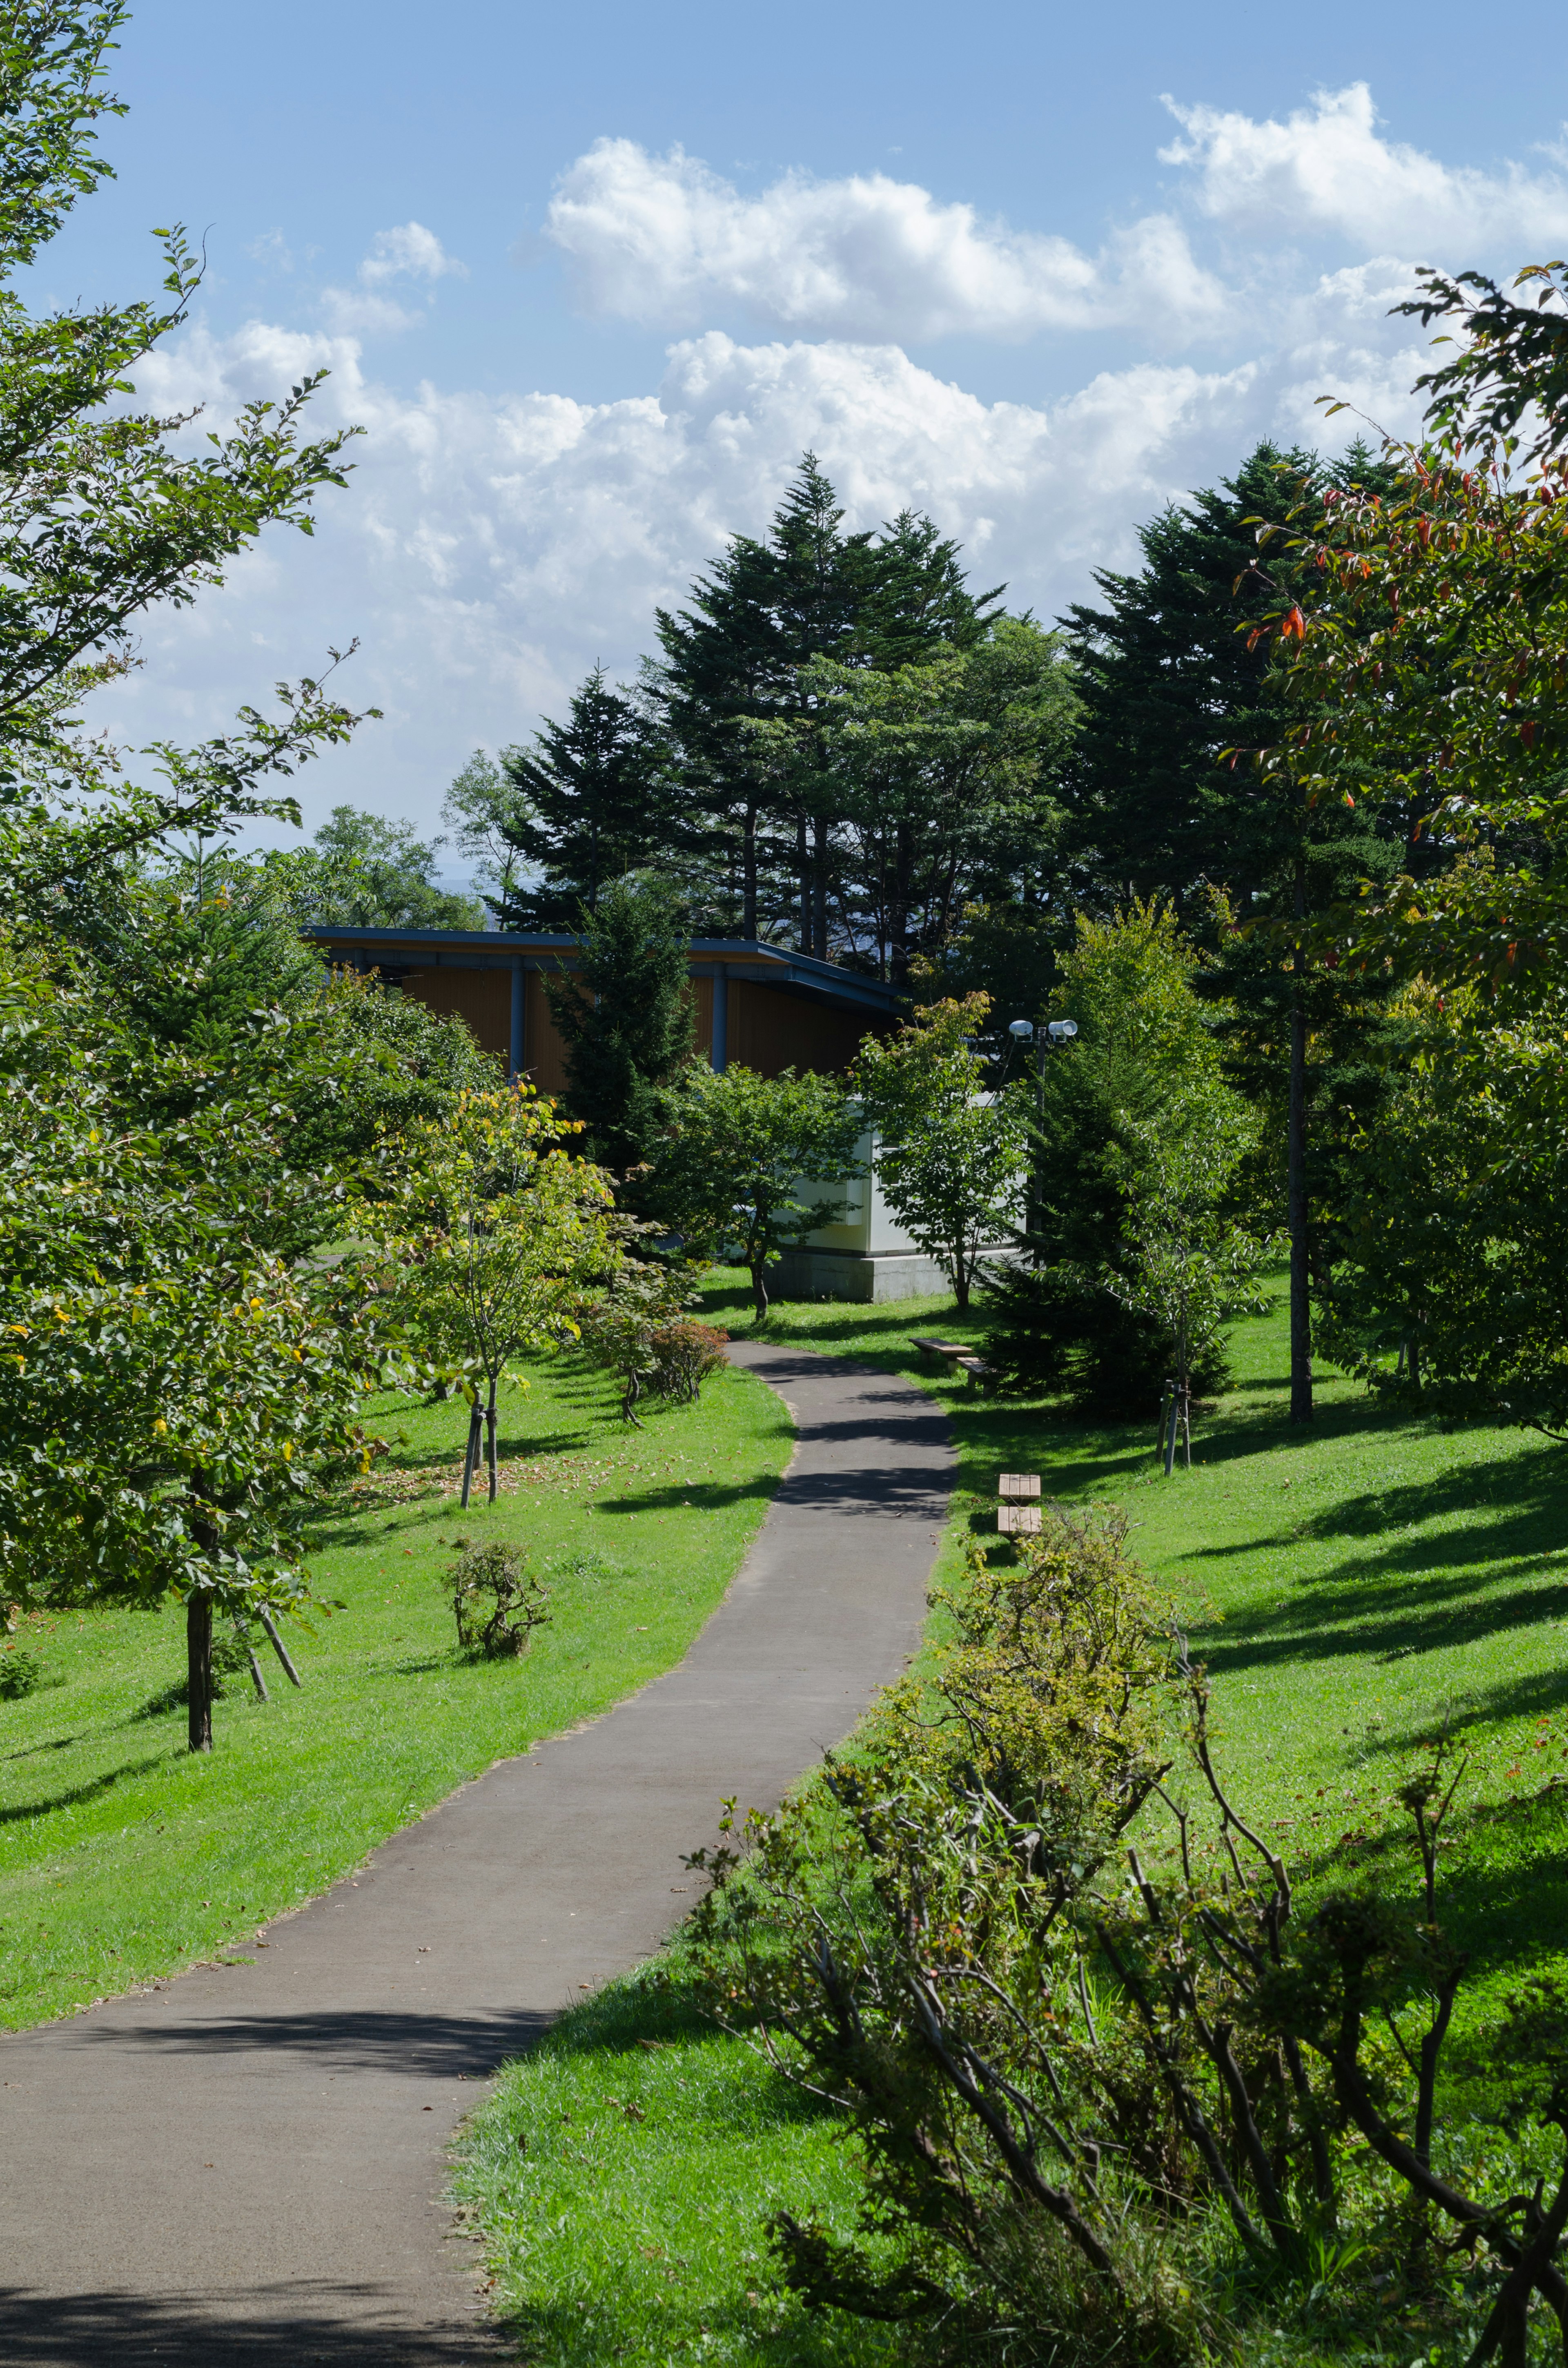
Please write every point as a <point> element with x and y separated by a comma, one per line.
<point>685,1353</point>
<point>1110,2086</point>
<point>496,1601</point>
<point>640,1330</point>
<point>21,1673</point>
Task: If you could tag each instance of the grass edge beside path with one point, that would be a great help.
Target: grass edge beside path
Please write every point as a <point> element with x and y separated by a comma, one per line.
<point>125,1859</point>
<point>1344,1581</point>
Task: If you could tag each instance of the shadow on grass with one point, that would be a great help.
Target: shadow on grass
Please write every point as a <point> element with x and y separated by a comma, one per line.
<point>32,1750</point>
<point>91,1791</point>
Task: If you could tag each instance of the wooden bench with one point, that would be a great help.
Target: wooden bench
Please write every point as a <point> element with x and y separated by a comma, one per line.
<point>951,1349</point>
<point>1018,1484</point>
<point>977,1369</point>
<point>1018,1520</point>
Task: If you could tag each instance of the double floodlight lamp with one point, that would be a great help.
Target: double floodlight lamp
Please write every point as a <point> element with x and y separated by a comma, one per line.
<point>1059,1030</point>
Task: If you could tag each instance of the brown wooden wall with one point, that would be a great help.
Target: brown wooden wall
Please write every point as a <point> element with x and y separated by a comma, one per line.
<point>767,1031</point>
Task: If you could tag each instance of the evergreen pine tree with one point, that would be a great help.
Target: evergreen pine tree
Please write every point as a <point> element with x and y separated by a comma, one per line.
<point>625,1015</point>
<point>586,805</point>
<point>1173,684</point>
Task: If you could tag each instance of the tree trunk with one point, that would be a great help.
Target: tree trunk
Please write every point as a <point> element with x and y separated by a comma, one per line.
<point>960,1279</point>
<point>748,874</point>
<point>199,1669</point>
<point>490,1440</point>
<point>1300,1280</point>
<point>803,873</point>
<point>759,1289</point>
<point>818,892</point>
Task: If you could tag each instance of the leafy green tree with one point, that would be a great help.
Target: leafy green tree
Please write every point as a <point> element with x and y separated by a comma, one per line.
<point>939,774</point>
<point>1178,673</point>
<point>175,1396</point>
<point>950,1154</point>
<point>494,1234</point>
<point>102,515</point>
<point>365,872</point>
<point>1141,1081</point>
<point>1191,1266</point>
<point>1452,1286</point>
<point>1422,689</point>
<point>625,1015</point>
<point>203,965</point>
<point>487,815</point>
<point>738,1151</point>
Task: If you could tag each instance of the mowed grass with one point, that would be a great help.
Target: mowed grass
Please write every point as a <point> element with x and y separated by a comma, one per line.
<point>123,1856</point>
<point>621,2173</point>
<point>1349,1585</point>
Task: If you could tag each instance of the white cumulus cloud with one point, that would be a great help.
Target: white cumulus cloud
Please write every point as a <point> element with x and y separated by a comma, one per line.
<point>491,549</point>
<point>665,241</point>
<point>1328,168</point>
<point>409,252</point>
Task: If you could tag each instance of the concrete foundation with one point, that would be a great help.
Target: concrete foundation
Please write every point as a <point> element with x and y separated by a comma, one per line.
<point>870,1276</point>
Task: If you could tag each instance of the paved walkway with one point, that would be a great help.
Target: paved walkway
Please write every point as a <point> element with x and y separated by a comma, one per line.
<point>245,2169</point>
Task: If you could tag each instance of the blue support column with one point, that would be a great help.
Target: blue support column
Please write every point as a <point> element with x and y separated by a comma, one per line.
<point>719,1050</point>
<point>519,1045</point>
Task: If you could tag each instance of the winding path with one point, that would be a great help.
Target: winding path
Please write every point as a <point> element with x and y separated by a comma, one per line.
<point>245,2169</point>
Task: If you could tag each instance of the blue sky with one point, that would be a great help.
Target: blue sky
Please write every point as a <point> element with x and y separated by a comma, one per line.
<point>591,279</point>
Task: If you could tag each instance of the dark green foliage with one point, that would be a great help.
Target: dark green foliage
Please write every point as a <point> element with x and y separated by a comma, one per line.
<point>731,661</point>
<point>1058,1328</point>
<point>588,803</point>
<point>624,1014</point>
<point>497,1602</point>
<point>1107,1101</point>
<point>1006,951</point>
<point>1171,681</point>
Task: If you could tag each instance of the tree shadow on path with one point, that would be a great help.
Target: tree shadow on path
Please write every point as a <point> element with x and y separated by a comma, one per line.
<point>277,2327</point>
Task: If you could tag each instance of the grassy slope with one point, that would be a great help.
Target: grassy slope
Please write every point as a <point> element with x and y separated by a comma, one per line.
<point>1345,1586</point>
<point>122,1856</point>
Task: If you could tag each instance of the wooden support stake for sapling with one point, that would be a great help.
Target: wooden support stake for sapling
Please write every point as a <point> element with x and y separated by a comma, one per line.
<point>279,1647</point>
<point>1171,1433</point>
<point>257,1681</point>
<point>472,1452</point>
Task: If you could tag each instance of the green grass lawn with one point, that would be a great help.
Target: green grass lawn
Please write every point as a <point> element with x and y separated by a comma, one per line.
<point>621,2173</point>
<point>1348,1584</point>
<point>122,1856</point>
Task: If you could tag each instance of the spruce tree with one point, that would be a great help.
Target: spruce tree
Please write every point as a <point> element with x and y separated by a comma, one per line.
<point>625,1015</point>
<point>1174,683</point>
<point>731,660</point>
<point>586,805</point>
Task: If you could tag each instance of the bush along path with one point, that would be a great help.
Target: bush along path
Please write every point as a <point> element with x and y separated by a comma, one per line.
<point>247,2166</point>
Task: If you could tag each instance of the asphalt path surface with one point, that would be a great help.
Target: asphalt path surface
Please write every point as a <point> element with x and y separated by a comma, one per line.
<point>246,2167</point>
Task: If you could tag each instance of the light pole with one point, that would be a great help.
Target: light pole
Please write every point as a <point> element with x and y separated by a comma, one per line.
<point>1055,1032</point>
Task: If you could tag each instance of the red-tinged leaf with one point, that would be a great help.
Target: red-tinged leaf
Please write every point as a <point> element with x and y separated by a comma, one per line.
<point>1294,626</point>
<point>1348,799</point>
<point>1528,733</point>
